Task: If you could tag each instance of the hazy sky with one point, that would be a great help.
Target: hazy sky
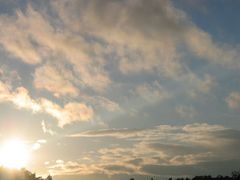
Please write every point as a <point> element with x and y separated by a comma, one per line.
<point>122,88</point>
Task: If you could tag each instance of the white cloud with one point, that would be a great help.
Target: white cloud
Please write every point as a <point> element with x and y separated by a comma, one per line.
<point>22,99</point>
<point>19,97</point>
<point>69,113</point>
<point>37,145</point>
<point>59,161</point>
<point>42,141</point>
<point>46,129</point>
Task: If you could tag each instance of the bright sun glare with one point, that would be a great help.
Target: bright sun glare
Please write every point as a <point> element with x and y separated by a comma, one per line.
<point>14,154</point>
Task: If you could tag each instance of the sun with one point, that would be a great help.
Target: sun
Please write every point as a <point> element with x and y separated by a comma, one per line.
<point>14,154</point>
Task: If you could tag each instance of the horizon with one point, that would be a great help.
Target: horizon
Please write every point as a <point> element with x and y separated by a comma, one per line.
<point>120,89</point>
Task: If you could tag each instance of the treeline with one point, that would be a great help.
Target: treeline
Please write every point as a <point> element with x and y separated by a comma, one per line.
<point>234,176</point>
<point>22,174</point>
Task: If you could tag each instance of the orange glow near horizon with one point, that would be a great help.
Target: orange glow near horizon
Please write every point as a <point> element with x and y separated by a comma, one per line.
<point>14,154</point>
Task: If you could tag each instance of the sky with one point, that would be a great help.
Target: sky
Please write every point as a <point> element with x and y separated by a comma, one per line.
<point>114,89</point>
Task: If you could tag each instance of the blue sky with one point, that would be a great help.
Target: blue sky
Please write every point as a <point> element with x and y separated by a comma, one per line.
<point>116,89</point>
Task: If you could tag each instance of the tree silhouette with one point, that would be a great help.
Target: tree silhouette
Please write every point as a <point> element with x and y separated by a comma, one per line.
<point>49,178</point>
<point>23,174</point>
<point>235,176</point>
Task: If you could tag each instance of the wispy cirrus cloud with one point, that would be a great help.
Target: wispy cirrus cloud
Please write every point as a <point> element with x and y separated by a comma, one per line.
<point>164,145</point>
<point>119,133</point>
<point>192,133</point>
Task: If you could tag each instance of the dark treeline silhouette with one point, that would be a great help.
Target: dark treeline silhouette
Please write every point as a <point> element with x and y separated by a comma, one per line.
<point>234,176</point>
<point>22,174</point>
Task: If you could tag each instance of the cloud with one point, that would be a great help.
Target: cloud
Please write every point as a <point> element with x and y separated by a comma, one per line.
<point>202,44</point>
<point>204,127</point>
<point>152,92</point>
<point>70,46</point>
<point>70,168</point>
<point>233,100</point>
<point>119,133</point>
<point>54,80</point>
<point>47,130</point>
<point>69,113</point>
<point>184,148</point>
<point>22,99</point>
<point>59,161</point>
<point>195,85</point>
<point>143,39</point>
<point>163,146</point>
<point>17,41</point>
<point>81,36</point>
<point>39,144</point>
<point>19,97</point>
<point>146,35</point>
<point>33,38</point>
<point>103,102</point>
<point>83,51</point>
<point>198,134</point>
